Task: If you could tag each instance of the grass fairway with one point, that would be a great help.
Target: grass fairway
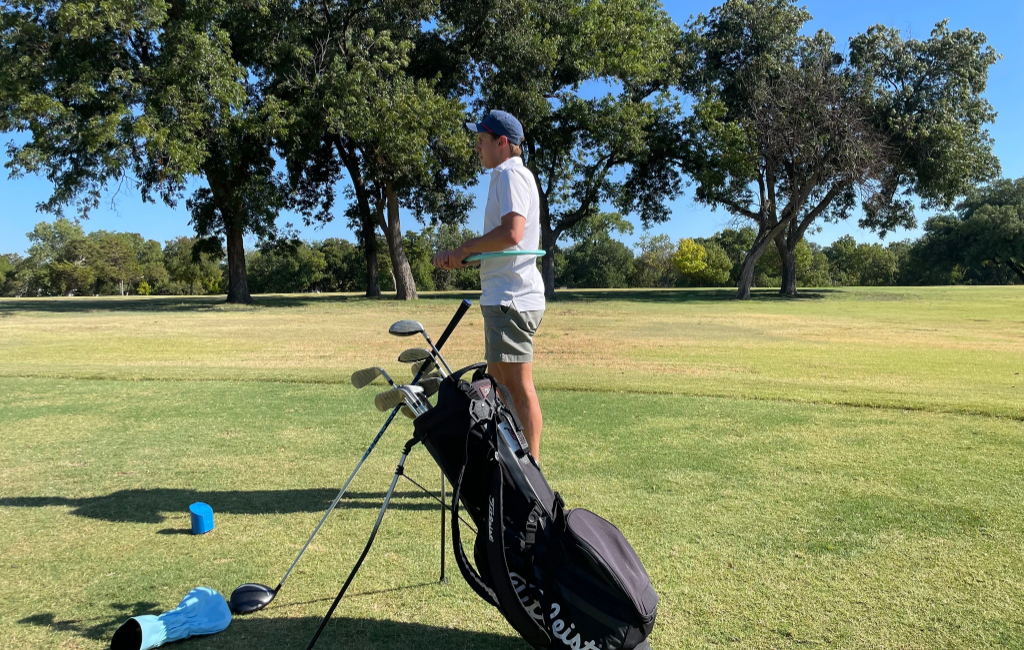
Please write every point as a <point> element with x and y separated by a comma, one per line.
<point>843,470</point>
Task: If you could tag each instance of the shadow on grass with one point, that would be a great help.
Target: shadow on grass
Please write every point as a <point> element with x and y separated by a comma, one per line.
<point>670,296</point>
<point>145,506</point>
<point>261,633</point>
<point>162,304</point>
<point>171,304</point>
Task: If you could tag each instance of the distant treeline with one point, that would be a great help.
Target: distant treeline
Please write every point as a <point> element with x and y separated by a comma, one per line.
<point>982,243</point>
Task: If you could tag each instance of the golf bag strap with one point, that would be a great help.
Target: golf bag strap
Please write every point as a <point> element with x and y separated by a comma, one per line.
<point>511,604</point>
<point>467,570</point>
<point>506,396</point>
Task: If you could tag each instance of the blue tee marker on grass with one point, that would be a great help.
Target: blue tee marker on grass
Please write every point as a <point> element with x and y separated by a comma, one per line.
<point>202,518</point>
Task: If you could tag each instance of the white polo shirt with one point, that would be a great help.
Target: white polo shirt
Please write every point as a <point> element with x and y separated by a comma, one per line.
<point>513,279</point>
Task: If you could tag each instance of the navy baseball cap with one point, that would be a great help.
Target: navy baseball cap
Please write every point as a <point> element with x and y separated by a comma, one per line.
<point>499,123</point>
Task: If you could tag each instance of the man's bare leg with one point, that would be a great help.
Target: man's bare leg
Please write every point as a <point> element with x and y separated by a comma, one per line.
<point>518,378</point>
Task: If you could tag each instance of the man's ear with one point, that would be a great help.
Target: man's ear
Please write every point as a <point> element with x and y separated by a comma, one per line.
<point>500,144</point>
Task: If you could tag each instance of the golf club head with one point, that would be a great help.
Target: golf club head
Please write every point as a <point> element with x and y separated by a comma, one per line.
<point>389,399</point>
<point>405,328</point>
<point>426,366</point>
<point>430,385</point>
<point>408,412</point>
<point>413,355</point>
<point>414,399</point>
<point>367,376</point>
<point>251,597</point>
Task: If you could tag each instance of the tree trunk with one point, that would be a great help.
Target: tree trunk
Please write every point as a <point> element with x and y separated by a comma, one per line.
<point>368,234</point>
<point>238,282</point>
<point>367,221</point>
<point>405,284</point>
<point>548,241</point>
<point>1016,268</point>
<point>749,262</point>
<point>788,257</point>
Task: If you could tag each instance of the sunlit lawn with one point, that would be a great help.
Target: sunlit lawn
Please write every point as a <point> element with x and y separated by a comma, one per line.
<point>842,470</point>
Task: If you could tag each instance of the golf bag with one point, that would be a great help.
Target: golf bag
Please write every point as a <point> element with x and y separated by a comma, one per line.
<point>561,578</point>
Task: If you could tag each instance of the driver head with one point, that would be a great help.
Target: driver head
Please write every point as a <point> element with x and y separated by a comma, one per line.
<point>405,328</point>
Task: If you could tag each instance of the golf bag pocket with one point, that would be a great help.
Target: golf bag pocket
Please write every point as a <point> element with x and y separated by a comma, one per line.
<point>596,590</point>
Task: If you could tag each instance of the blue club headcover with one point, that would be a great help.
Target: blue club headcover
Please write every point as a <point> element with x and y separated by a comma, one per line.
<point>201,611</point>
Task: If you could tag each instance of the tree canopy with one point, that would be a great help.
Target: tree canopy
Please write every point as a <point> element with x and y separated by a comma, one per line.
<point>786,132</point>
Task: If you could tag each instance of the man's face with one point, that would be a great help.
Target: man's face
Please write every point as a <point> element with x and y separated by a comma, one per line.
<point>488,148</point>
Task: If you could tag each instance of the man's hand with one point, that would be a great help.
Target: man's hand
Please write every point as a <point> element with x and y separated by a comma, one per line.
<point>450,259</point>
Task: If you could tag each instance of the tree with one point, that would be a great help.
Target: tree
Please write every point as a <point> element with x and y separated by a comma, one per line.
<point>344,266</point>
<point>58,261</point>
<point>786,132</point>
<point>992,220</point>
<point>854,264</point>
<point>361,102</point>
<point>8,262</point>
<point>981,242</point>
<point>597,263</point>
<point>690,258</point>
<point>287,266</point>
<point>114,260</point>
<point>717,266</point>
<point>16,272</point>
<point>532,59</point>
<point>189,268</point>
<point>154,94</point>
<point>448,237</point>
<point>653,266</point>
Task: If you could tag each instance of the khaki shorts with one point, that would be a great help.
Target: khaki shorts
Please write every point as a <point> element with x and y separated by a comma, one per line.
<point>508,333</point>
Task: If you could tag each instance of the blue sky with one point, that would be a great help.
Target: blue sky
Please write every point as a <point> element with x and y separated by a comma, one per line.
<point>1001,20</point>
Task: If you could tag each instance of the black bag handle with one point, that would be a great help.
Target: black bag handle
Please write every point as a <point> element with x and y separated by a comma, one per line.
<point>465,568</point>
<point>512,606</point>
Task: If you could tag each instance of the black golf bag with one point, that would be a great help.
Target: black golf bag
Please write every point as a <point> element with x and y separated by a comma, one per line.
<point>561,578</point>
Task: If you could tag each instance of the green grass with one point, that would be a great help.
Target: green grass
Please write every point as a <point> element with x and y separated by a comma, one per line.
<point>843,470</point>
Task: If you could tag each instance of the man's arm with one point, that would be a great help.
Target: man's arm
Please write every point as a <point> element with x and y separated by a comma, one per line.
<point>505,236</point>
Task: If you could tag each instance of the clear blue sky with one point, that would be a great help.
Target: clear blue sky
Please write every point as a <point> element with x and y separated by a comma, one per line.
<point>1001,20</point>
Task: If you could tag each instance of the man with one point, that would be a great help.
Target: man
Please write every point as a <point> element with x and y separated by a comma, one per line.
<point>512,299</point>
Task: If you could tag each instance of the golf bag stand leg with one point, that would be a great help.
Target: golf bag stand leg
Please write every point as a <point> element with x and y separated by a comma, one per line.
<point>444,506</point>
<point>373,534</point>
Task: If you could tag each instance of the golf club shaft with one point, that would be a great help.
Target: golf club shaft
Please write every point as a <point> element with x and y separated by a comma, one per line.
<point>373,534</point>
<point>459,313</point>
<point>437,352</point>
<point>444,507</point>
<point>337,499</point>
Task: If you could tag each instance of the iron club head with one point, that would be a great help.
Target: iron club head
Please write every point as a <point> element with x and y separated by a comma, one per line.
<point>414,399</point>
<point>367,376</point>
<point>389,399</point>
<point>430,385</point>
<point>427,367</point>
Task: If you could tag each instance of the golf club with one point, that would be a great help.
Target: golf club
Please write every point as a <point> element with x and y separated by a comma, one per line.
<point>252,597</point>
<point>419,356</point>
<point>414,399</point>
<point>410,328</point>
<point>427,367</point>
<point>430,386</point>
<point>367,376</point>
<point>389,399</point>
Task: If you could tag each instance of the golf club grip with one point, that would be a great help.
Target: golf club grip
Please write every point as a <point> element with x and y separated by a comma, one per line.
<point>459,313</point>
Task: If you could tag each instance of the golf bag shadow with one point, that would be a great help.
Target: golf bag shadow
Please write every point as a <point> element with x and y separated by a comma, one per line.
<point>561,578</point>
